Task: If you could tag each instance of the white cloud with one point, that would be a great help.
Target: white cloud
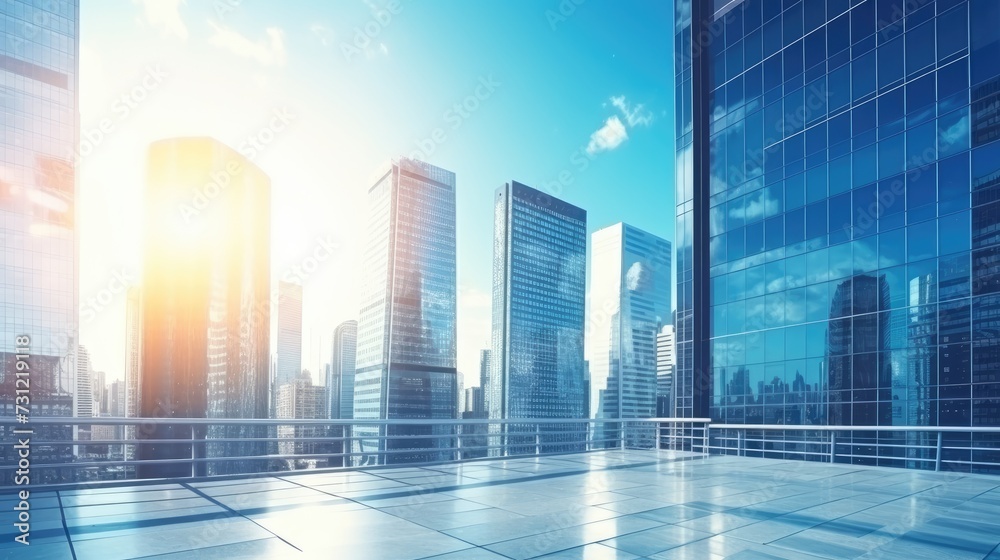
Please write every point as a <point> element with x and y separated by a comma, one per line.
<point>165,15</point>
<point>270,51</point>
<point>608,137</point>
<point>637,115</point>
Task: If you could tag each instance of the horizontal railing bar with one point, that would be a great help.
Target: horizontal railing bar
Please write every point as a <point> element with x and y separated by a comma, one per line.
<point>102,421</point>
<point>822,428</point>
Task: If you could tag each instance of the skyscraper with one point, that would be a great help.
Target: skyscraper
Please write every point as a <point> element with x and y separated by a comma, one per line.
<point>539,296</point>
<point>205,302</point>
<point>83,398</point>
<point>837,171</point>
<point>665,372</point>
<point>300,399</point>
<point>629,303</point>
<point>289,364</point>
<point>345,342</point>
<point>133,361</point>
<point>38,195</point>
<point>406,349</point>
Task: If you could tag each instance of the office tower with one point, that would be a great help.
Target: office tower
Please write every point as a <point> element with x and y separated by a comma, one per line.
<point>460,394</point>
<point>539,277</point>
<point>133,354</point>
<point>300,399</point>
<point>837,164</point>
<point>98,387</point>
<point>406,342</point>
<point>116,398</point>
<point>473,401</point>
<point>38,220</point>
<point>484,368</point>
<point>345,341</point>
<point>629,303</point>
<point>83,401</point>
<point>205,304</point>
<point>289,361</point>
<point>665,372</point>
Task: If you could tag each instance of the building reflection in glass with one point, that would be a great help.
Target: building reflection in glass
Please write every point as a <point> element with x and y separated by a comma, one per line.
<point>406,333</point>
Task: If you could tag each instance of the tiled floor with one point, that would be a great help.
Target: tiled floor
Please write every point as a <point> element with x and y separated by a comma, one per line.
<point>605,505</point>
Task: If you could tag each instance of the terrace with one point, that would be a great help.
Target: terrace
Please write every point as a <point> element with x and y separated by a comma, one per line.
<point>682,498</point>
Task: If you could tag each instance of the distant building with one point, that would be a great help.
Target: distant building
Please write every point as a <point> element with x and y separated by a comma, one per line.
<point>665,372</point>
<point>629,304</point>
<point>342,367</point>
<point>289,358</point>
<point>300,399</point>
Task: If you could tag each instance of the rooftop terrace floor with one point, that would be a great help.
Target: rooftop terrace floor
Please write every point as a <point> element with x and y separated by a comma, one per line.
<point>599,505</point>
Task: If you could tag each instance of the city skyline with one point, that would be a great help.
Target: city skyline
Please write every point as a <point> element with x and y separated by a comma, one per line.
<point>322,159</point>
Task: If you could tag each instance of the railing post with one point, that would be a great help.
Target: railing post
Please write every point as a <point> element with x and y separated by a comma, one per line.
<point>538,439</point>
<point>193,452</point>
<point>739,444</point>
<point>833,446</point>
<point>937,460</point>
<point>704,439</point>
<point>458,442</point>
<point>621,434</point>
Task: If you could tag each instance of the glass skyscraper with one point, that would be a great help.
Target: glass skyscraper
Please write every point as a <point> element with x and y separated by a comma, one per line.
<point>629,303</point>
<point>38,73</point>
<point>342,366</point>
<point>406,342</point>
<point>539,298</point>
<point>289,335</point>
<point>205,304</point>
<point>837,215</point>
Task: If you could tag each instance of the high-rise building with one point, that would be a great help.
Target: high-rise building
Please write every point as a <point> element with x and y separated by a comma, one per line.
<point>289,360</point>
<point>665,372</point>
<point>539,297</point>
<point>629,303</point>
<point>116,398</point>
<point>38,196</point>
<point>300,399</point>
<point>484,368</point>
<point>99,387</point>
<point>205,303</point>
<point>341,382</point>
<point>83,401</point>
<point>837,178</point>
<point>406,349</point>
<point>133,353</point>
<point>473,401</point>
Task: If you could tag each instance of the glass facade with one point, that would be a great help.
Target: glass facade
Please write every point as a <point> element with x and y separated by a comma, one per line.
<point>289,359</point>
<point>341,382</point>
<point>38,76</point>
<point>837,213</point>
<point>629,304</point>
<point>406,345</point>
<point>539,278</point>
<point>205,304</point>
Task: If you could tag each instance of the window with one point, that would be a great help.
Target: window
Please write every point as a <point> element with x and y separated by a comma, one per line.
<point>952,32</point>
<point>919,48</point>
<point>890,63</point>
<point>863,75</point>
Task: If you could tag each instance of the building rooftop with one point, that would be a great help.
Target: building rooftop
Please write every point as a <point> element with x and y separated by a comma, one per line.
<point>598,505</point>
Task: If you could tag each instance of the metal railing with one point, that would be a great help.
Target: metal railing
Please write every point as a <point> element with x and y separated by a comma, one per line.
<point>938,448</point>
<point>72,451</point>
<point>65,451</point>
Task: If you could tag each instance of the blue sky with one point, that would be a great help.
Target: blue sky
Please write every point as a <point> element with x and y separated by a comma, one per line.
<point>571,98</point>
